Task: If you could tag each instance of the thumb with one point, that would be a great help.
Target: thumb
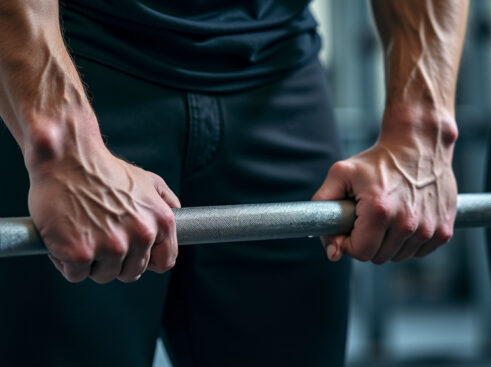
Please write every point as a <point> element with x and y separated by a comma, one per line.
<point>336,186</point>
<point>164,191</point>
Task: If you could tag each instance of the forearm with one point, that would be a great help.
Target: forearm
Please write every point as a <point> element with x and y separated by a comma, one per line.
<point>422,43</point>
<point>42,99</point>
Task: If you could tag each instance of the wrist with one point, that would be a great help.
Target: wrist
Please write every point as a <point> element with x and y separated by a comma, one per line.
<point>419,123</point>
<point>48,143</point>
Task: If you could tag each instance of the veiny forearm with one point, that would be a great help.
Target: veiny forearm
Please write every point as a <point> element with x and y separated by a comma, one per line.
<point>42,99</point>
<point>422,41</point>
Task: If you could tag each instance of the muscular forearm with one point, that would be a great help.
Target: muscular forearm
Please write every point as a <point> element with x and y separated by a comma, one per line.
<point>42,99</point>
<point>422,40</point>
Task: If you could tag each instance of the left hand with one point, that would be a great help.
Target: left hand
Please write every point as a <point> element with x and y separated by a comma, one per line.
<point>404,188</point>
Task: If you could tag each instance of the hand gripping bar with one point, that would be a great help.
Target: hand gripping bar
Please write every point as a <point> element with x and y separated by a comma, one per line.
<point>233,223</point>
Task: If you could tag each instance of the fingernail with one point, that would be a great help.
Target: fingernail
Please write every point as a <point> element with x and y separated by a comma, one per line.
<point>333,253</point>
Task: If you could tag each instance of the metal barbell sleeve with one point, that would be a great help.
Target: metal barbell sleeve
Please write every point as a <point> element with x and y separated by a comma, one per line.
<point>233,223</point>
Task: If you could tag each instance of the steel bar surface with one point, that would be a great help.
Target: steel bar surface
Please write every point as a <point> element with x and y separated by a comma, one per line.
<point>233,223</point>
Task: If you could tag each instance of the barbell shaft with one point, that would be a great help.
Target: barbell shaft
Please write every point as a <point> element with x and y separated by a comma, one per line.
<point>233,223</point>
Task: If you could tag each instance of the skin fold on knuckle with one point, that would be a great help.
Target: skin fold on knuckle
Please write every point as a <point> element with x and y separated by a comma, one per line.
<point>408,224</point>
<point>425,232</point>
<point>82,255</point>
<point>381,210</point>
<point>168,221</point>
<point>115,247</point>
<point>145,234</point>
<point>444,234</point>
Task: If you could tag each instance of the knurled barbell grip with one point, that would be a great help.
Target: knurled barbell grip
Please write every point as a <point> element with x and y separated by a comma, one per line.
<point>233,223</point>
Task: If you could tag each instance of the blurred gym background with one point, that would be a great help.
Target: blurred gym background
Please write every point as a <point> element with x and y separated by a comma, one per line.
<point>436,311</point>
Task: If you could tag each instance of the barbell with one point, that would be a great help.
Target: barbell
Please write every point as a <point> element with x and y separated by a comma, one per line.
<point>249,222</point>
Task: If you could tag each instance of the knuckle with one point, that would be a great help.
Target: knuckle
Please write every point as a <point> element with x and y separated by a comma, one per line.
<point>425,233</point>
<point>444,234</point>
<point>339,168</point>
<point>381,209</point>
<point>409,225</point>
<point>146,234</point>
<point>168,220</point>
<point>82,256</point>
<point>117,248</point>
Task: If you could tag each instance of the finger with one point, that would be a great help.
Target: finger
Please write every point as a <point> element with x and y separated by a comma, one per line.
<point>57,262</point>
<point>336,185</point>
<point>164,252</point>
<point>442,236</point>
<point>138,256</point>
<point>402,229</point>
<point>421,236</point>
<point>426,249</point>
<point>134,265</point>
<point>369,229</point>
<point>334,246</point>
<point>75,266</point>
<point>110,261</point>
<point>408,249</point>
<point>164,191</point>
<point>391,244</point>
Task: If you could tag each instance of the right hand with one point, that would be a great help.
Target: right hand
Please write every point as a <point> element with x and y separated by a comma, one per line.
<point>103,218</point>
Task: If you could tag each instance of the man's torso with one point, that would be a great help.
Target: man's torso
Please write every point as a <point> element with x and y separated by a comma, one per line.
<point>203,45</point>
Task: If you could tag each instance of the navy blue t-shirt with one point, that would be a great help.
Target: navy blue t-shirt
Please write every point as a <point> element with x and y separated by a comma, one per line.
<point>200,45</point>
